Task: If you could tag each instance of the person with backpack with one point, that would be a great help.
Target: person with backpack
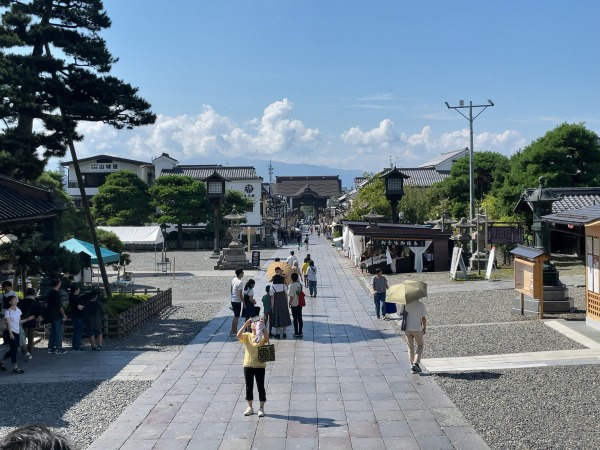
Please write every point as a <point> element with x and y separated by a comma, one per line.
<point>294,291</point>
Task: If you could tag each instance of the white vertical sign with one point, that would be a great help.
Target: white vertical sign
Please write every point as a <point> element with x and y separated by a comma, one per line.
<point>490,263</point>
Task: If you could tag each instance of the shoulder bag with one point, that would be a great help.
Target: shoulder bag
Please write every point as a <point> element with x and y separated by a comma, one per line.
<point>301,298</point>
<point>266,353</point>
<point>403,319</point>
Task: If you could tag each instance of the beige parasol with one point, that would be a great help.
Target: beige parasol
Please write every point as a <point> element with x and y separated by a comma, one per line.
<point>406,292</point>
<point>286,270</point>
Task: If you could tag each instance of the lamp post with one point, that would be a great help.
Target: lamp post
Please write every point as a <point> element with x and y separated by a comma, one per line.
<point>470,118</point>
<point>394,190</point>
<point>215,194</point>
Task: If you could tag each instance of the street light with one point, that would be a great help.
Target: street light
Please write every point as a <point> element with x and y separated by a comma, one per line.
<point>215,194</point>
<point>470,119</point>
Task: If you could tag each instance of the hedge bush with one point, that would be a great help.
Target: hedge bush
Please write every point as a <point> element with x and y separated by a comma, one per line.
<point>122,302</point>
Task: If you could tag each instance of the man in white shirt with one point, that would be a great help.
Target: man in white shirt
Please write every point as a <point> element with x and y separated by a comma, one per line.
<point>416,325</point>
<point>290,259</point>
<point>237,298</point>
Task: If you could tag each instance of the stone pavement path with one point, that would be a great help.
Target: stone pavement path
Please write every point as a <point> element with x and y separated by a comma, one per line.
<point>345,385</point>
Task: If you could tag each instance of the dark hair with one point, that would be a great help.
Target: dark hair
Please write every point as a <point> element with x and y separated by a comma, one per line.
<point>55,282</point>
<point>378,270</point>
<point>238,271</point>
<point>311,263</point>
<point>277,259</point>
<point>292,252</point>
<point>268,288</point>
<point>34,437</point>
<point>10,297</point>
<point>295,276</point>
<point>30,291</point>
<point>6,283</point>
<point>250,283</point>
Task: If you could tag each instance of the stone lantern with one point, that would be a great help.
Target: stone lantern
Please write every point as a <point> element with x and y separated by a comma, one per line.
<point>269,241</point>
<point>555,294</point>
<point>479,256</point>
<point>233,256</point>
<point>464,232</point>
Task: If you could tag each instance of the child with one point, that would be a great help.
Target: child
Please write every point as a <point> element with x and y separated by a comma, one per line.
<point>266,300</point>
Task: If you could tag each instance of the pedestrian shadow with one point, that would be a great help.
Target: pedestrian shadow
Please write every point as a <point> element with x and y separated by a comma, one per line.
<point>321,422</point>
<point>469,376</point>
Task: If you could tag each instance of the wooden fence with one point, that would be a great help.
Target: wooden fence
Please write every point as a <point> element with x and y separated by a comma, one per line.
<point>129,320</point>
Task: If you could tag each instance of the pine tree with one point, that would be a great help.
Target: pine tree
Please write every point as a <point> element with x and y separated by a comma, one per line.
<point>51,56</point>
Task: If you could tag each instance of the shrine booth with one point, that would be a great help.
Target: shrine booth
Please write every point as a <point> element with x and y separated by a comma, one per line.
<point>397,248</point>
<point>588,218</point>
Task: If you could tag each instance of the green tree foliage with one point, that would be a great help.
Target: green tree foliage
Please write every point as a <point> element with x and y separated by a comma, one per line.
<point>35,255</point>
<point>567,156</point>
<point>123,199</point>
<point>370,197</point>
<point>109,240</point>
<point>52,51</point>
<point>420,204</point>
<point>180,200</point>
<point>237,200</point>
<point>489,171</point>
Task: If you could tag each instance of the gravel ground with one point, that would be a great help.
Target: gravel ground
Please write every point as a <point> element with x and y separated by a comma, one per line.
<point>533,408</point>
<point>81,410</point>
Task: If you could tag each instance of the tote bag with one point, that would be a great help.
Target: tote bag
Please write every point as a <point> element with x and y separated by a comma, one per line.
<point>266,353</point>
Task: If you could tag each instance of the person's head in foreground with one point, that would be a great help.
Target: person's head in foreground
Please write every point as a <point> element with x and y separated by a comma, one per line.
<point>34,437</point>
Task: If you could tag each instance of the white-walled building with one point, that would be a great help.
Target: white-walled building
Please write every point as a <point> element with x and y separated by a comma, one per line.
<point>241,178</point>
<point>95,169</point>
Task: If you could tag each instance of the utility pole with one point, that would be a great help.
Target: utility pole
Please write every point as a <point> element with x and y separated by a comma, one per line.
<point>470,118</point>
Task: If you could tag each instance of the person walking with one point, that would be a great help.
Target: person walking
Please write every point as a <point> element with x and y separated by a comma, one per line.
<point>306,242</point>
<point>416,327</point>
<point>299,239</point>
<point>281,314</point>
<point>55,315</point>
<point>312,279</point>
<point>292,258</point>
<point>305,265</point>
<point>237,298</point>
<point>12,315</point>
<point>29,306</point>
<point>380,285</point>
<point>293,292</point>
<point>249,310</point>
<point>267,310</point>
<point>253,368</point>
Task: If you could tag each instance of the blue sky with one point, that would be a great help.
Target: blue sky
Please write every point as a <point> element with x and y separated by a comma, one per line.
<point>348,84</point>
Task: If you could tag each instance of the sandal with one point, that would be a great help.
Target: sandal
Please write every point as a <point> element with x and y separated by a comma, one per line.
<point>18,370</point>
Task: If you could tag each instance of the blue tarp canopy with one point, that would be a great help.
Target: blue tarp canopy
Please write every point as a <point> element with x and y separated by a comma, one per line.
<point>78,246</point>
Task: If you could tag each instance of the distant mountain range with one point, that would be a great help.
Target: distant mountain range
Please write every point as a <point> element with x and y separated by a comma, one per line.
<point>281,169</point>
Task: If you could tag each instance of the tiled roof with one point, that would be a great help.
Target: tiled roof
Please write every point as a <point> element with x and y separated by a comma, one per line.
<point>571,198</point>
<point>201,172</point>
<point>423,177</point>
<point>22,202</point>
<point>443,157</point>
<point>105,157</point>
<point>323,186</point>
<point>579,216</point>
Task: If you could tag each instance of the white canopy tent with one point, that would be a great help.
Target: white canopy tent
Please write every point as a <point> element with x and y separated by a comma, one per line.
<point>137,235</point>
<point>151,235</point>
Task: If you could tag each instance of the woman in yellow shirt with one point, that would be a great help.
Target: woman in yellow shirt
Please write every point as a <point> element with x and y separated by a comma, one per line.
<point>253,368</point>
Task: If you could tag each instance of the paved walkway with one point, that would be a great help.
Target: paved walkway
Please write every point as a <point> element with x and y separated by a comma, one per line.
<point>346,384</point>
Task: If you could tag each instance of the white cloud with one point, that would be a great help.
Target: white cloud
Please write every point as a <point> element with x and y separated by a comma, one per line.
<point>206,135</point>
<point>209,138</point>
